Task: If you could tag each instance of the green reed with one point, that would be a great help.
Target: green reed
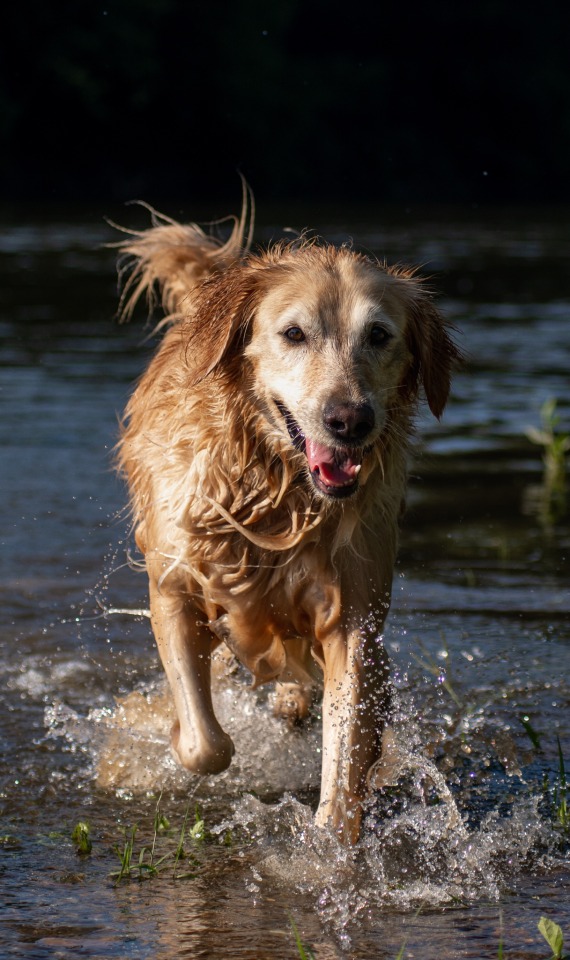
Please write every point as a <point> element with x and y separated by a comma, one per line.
<point>143,864</point>
<point>551,932</point>
<point>560,796</point>
<point>305,953</point>
<point>555,446</point>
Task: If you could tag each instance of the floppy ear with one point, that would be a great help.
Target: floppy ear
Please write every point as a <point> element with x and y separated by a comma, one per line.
<point>432,349</point>
<point>220,319</point>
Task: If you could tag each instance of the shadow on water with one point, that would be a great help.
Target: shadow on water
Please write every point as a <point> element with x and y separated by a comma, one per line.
<point>466,850</point>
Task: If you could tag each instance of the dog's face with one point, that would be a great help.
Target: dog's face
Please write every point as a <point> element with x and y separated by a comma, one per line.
<point>337,346</point>
<point>330,355</point>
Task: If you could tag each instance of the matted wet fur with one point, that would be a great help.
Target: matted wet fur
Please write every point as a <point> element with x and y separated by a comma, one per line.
<point>265,452</point>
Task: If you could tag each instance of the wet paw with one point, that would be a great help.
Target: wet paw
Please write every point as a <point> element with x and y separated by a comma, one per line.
<point>291,703</point>
<point>211,754</point>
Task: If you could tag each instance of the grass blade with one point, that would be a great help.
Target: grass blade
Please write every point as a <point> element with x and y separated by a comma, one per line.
<point>305,953</point>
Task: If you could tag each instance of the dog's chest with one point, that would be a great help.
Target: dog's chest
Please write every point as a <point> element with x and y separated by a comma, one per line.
<point>271,593</point>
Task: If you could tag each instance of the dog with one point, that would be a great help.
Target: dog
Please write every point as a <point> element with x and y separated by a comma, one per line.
<point>265,453</point>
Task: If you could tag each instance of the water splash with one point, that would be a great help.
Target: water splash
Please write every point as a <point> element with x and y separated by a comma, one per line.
<point>128,744</point>
<point>422,856</point>
<point>421,844</point>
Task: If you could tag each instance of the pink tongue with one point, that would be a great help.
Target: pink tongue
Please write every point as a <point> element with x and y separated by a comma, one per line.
<point>333,467</point>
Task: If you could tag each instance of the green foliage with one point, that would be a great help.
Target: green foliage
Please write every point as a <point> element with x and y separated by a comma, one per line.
<point>305,953</point>
<point>125,856</point>
<point>556,796</point>
<point>500,948</point>
<point>145,863</point>
<point>81,837</point>
<point>198,831</point>
<point>555,446</point>
<point>553,936</point>
<point>531,733</point>
<point>562,813</point>
<point>9,842</point>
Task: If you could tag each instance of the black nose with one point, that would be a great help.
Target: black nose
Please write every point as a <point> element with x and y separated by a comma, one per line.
<point>349,422</point>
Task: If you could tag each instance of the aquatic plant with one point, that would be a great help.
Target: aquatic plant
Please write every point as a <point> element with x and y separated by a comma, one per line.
<point>125,856</point>
<point>180,853</point>
<point>146,864</point>
<point>81,837</point>
<point>556,445</point>
<point>500,948</point>
<point>198,831</point>
<point>9,842</point>
<point>531,733</point>
<point>562,813</point>
<point>556,797</point>
<point>553,936</point>
<point>305,953</point>
<point>551,932</point>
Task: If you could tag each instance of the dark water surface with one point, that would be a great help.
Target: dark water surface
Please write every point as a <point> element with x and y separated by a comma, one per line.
<point>467,851</point>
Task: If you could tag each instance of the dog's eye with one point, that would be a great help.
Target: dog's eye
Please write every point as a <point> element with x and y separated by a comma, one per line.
<point>379,336</point>
<point>294,334</point>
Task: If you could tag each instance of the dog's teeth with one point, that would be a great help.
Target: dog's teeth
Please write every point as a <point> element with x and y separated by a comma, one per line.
<point>357,469</point>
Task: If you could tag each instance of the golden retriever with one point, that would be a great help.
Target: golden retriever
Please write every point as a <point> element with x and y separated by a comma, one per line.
<point>265,451</point>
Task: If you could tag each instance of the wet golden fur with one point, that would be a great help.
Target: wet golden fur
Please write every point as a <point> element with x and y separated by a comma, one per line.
<point>246,542</point>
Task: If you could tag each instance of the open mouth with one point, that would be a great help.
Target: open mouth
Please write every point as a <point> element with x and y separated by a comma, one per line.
<point>334,470</point>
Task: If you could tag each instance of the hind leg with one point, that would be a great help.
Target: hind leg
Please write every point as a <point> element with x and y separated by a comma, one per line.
<point>298,684</point>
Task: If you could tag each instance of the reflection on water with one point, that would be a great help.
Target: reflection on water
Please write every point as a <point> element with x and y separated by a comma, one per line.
<point>479,638</point>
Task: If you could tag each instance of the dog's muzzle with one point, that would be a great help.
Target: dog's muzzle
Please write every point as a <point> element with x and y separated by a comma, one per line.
<point>333,470</point>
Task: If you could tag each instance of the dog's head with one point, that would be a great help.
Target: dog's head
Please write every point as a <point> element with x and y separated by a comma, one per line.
<point>336,345</point>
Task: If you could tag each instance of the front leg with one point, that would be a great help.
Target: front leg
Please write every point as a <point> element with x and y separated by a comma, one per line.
<point>184,643</point>
<point>355,704</point>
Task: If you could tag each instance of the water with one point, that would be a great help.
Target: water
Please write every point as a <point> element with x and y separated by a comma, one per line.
<point>464,851</point>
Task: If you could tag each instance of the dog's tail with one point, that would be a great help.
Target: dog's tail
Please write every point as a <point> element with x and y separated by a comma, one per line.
<point>168,260</point>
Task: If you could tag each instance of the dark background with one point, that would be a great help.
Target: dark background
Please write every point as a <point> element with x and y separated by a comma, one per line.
<point>435,102</point>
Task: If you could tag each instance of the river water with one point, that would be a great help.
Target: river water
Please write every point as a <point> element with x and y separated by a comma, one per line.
<point>466,853</point>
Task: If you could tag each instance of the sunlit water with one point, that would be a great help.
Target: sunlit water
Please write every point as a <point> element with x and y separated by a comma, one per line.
<point>465,850</point>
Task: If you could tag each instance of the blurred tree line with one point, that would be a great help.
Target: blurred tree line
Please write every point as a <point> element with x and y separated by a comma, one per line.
<point>390,102</point>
